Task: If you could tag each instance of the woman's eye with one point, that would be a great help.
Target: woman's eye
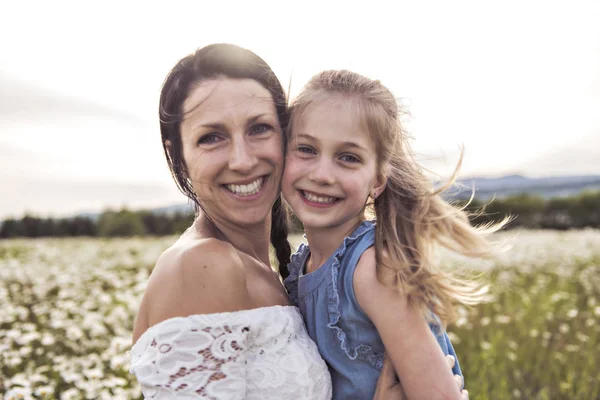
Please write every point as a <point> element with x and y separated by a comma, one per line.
<point>260,128</point>
<point>209,139</point>
<point>349,158</point>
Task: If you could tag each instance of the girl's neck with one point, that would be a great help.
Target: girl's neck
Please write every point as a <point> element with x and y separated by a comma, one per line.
<point>323,242</point>
<point>253,240</point>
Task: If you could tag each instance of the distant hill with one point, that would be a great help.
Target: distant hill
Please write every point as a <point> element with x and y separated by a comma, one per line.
<point>487,188</point>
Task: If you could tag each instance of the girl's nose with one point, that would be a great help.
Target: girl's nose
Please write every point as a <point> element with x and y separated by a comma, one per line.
<point>322,173</point>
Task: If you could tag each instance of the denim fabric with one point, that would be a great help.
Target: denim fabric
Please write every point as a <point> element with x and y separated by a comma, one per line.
<point>347,339</point>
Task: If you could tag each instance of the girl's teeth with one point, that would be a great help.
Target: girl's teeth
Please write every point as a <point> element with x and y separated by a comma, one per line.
<point>246,190</point>
<point>318,199</point>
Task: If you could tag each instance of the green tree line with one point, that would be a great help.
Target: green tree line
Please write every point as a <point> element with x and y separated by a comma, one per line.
<point>528,211</point>
<point>110,223</point>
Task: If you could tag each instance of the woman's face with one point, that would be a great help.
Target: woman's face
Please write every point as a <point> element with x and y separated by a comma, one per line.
<point>233,149</point>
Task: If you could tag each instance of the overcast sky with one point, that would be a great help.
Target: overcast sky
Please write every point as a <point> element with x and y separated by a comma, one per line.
<point>516,82</point>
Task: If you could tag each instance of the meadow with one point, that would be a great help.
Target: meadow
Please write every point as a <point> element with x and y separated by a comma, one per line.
<point>67,308</point>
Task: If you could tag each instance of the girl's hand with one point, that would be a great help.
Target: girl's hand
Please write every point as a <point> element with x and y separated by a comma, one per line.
<point>459,379</point>
<point>389,387</point>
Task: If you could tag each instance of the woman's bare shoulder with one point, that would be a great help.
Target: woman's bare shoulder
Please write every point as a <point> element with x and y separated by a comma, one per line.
<point>192,277</point>
<point>194,256</point>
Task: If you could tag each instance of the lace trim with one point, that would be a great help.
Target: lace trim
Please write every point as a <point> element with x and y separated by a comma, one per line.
<point>262,353</point>
<point>182,356</point>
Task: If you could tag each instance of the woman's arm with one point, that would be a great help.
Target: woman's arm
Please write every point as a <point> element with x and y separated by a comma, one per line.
<point>409,342</point>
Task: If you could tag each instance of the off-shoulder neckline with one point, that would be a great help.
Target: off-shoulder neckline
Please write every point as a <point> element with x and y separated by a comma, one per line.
<point>147,332</point>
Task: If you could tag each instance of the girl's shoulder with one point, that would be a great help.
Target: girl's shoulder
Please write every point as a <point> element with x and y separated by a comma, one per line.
<point>349,251</point>
<point>352,249</point>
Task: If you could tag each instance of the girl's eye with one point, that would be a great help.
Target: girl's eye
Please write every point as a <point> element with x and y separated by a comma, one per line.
<point>349,158</point>
<point>260,128</point>
<point>209,138</point>
<point>305,149</point>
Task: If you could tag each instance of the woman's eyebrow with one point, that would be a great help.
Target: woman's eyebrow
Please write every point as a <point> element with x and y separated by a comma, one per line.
<point>222,126</point>
<point>255,118</point>
<point>212,125</point>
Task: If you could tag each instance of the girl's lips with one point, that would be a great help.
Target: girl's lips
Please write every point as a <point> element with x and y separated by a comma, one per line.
<point>317,201</point>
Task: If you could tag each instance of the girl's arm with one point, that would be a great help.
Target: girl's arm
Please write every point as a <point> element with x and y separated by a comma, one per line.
<point>409,342</point>
<point>389,387</point>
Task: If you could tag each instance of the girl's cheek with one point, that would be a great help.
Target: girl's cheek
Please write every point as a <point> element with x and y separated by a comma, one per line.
<point>289,172</point>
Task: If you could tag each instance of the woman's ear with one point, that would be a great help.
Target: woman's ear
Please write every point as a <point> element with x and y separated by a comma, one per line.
<point>169,147</point>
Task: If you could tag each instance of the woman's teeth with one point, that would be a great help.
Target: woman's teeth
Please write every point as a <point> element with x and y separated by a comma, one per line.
<point>318,199</point>
<point>246,190</point>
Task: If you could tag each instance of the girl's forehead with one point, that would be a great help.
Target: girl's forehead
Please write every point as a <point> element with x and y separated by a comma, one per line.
<point>335,124</point>
<point>329,106</point>
<point>339,112</point>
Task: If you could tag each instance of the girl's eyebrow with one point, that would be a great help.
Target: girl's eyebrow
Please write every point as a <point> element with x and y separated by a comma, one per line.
<point>304,136</point>
<point>352,145</point>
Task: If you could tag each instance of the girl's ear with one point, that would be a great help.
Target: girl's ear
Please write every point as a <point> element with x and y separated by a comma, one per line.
<point>380,184</point>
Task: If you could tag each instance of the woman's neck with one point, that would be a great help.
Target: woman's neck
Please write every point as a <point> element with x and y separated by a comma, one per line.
<point>323,242</point>
<point>253,240</point>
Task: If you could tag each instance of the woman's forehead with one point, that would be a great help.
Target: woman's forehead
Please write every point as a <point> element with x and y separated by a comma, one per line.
<point>228,97</point>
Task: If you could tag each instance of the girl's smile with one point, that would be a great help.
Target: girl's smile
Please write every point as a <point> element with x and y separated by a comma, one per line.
<point>330,166</point>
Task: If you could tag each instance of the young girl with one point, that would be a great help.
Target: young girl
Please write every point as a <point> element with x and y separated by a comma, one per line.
<point>366,288</point>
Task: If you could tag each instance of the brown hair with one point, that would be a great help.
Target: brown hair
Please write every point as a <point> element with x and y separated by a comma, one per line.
<point>212,62</point>
<point>411,216</point>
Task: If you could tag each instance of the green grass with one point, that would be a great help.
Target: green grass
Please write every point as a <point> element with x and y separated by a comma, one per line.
<point>68,307</point>
<point>538,339</point>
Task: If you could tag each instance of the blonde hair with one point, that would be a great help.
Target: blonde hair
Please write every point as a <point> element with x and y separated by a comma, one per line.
<point>412,217</point>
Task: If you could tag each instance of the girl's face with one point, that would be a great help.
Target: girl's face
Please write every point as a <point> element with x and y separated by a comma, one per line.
<point>331,166</point>
<point>233,149</point>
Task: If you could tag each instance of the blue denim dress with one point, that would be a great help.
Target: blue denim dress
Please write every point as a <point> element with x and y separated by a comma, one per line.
<point>346,337</point>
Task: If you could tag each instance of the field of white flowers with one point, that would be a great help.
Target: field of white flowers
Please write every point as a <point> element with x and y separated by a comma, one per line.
<point>67,308</point>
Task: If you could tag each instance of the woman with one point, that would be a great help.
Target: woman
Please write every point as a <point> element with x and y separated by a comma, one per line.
<point>215,320</point>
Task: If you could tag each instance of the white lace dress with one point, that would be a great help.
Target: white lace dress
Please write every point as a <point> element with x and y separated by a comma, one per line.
<point>263,353</point>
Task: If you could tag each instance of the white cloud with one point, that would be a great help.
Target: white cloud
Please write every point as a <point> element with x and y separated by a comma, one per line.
<point>59,198</point>
<point>512,81</point>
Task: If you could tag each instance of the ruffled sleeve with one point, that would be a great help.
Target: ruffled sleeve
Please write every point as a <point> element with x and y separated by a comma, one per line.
<point>294,268</point>
<point>195,357</point>
<point>362,238</point>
